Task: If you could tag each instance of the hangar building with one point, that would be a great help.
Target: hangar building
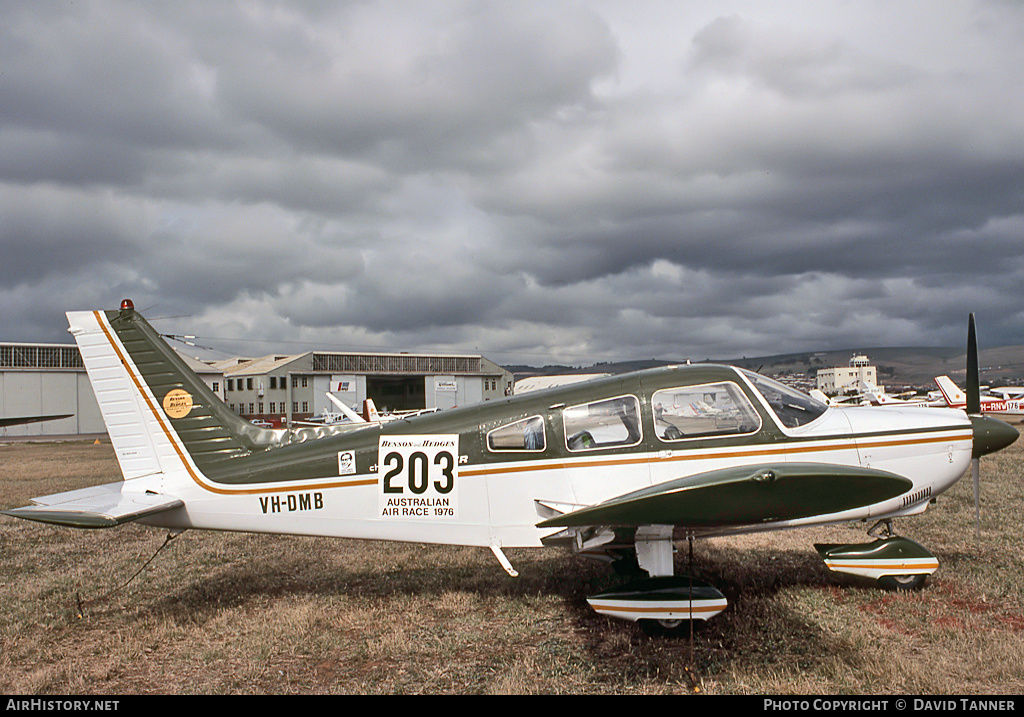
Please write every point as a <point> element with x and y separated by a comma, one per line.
<point>46,380</point>
<point>50,379</point>
<point>281,389</point>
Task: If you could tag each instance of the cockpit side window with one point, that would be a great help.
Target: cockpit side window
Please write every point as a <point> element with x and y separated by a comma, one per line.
<point>707,410</point>
<point>603,424</point>
<point>793,408</point>
<point>524,435</point>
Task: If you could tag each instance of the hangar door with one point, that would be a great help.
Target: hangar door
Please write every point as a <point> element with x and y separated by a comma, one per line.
<point>396,393</point>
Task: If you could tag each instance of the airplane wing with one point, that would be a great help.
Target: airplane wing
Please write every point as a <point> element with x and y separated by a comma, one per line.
<point>743,495</point>
<point>349,413</point>
<point>102,506</point>
<point>17,421</point>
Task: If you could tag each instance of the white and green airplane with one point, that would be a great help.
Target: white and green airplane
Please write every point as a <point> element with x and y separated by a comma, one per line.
<point>618,468</point>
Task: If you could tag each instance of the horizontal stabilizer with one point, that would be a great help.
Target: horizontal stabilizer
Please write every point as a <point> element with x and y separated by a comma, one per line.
<point>21,420</point>
<point>102,506</point>
<point>743,495</point>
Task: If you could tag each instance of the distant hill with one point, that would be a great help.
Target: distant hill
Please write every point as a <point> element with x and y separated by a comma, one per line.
<point>898,368</point>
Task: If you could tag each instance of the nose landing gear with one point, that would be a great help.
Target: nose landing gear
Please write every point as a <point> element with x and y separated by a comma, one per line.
<point>896,563</point>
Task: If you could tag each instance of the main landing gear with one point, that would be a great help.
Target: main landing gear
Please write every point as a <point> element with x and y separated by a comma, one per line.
<point>663,602</point>
<point>896,563</point>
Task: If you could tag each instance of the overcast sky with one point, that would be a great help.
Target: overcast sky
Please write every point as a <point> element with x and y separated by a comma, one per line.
<point>539,181</point>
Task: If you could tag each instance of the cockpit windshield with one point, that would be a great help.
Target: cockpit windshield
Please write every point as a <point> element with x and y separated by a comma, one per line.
<point>794,408</point>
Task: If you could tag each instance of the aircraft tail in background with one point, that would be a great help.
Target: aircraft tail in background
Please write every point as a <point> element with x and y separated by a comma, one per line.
<point>951,392</point>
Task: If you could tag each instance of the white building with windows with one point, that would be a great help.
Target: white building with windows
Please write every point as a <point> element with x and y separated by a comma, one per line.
<point>846,379</point>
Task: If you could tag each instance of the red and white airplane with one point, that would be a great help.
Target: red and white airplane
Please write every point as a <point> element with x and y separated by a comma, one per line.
<point>1000,405</point>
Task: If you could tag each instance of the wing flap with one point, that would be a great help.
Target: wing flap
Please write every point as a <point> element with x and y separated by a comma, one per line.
<point>743,495</point>
<point>102,506</point>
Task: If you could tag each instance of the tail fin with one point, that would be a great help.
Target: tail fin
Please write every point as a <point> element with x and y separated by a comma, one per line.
<point>370,414</point>
<point>951,392</point>
<point>169,431</point>
<point>155,407</point>
<point>819,395</point>
<point>872,393</point>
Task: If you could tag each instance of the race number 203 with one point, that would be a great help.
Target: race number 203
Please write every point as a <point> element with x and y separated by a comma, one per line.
<point>418,476</point>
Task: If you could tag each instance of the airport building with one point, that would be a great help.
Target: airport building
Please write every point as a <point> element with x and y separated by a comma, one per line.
<point>46,380</point>
<point>281,389</point>
<point>50,379</point>
<point>846,379</point>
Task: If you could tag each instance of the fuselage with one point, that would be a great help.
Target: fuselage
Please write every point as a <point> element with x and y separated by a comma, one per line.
<point>475,475</point>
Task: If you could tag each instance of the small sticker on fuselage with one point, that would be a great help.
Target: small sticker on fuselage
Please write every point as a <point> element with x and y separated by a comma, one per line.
<point>346,463</point>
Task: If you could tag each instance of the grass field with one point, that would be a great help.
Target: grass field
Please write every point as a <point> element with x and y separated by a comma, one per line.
<point>219,613</point>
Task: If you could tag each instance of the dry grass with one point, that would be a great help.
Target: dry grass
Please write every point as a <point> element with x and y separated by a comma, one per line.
<point>233,613</point>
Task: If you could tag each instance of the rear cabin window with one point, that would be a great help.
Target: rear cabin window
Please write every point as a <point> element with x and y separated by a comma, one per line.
<point>711,409</point>
<point>524,435</point>
<point>603,424</point>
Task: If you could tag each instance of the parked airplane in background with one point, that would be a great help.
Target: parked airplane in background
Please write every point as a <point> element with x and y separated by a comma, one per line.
<point>593,467</point>
<point>869,394</point>
<point>1008,393</point>
<point>876,396</point>
<point>345,415</point>
<point>370,414</point>
<point>1001,405</point>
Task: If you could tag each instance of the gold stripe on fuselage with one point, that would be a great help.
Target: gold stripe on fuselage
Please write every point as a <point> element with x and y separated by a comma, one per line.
<point>790,450</point>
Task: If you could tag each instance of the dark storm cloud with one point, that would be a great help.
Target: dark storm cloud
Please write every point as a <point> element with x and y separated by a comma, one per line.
<point>566,180</point>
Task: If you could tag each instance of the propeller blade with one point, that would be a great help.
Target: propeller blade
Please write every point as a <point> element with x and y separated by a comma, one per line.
<point>974,408</point>
<point>973,378</point>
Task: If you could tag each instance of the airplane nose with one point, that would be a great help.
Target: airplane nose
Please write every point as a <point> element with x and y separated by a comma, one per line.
<point>991,435</point>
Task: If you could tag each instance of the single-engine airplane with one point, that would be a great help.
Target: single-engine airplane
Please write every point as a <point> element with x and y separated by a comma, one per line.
<point>1003,405</point>
<point>593,466</point>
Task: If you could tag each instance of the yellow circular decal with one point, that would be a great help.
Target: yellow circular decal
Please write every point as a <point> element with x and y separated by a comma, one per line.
<point>177,403</point>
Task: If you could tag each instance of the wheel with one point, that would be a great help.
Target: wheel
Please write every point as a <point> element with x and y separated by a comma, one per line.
<point>666,628</point>
<point>903,582</point>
